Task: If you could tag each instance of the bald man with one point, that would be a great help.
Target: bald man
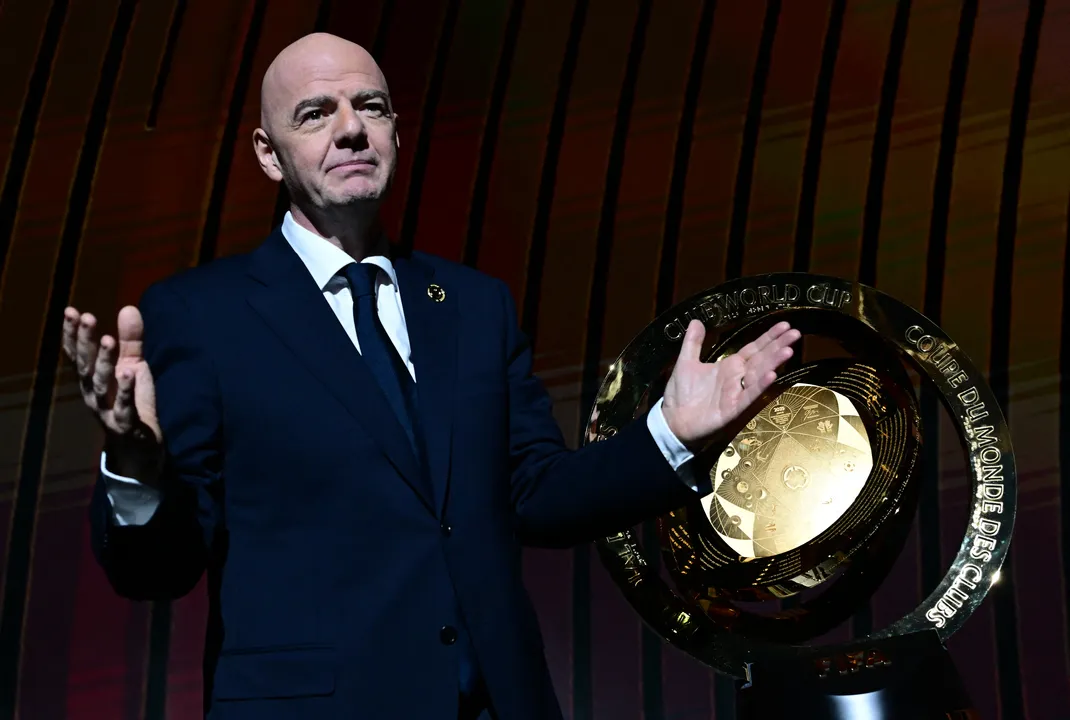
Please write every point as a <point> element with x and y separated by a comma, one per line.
<point>350,444</point>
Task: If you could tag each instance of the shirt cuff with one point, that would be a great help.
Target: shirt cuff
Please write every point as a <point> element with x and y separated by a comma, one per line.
<point>132,502</point>
<point>675,452</point>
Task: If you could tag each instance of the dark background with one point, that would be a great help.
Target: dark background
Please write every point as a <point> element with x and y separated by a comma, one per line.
<point>604,157</point>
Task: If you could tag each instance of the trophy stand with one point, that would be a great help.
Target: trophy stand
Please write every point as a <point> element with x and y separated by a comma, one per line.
<point>907,677</point>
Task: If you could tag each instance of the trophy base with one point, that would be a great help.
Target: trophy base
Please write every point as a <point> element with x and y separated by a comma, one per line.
<point>903,677</point>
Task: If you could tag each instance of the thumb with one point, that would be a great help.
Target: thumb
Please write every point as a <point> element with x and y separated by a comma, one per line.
<point>692,345</point>
<point>131,332</point>
<point>145,399</point>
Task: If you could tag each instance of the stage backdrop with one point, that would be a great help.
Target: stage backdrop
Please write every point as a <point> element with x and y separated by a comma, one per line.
<point>605,158</point>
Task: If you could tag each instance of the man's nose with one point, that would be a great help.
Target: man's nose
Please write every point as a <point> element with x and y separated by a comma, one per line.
<point>348,123</point>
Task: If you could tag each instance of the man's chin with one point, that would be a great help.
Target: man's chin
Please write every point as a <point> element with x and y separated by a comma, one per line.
<point>357,196</point>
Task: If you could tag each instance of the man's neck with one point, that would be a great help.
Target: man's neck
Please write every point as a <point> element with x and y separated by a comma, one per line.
<point>355,234</point>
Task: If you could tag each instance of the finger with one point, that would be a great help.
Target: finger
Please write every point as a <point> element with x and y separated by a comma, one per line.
<point>760,376</point>
<point>85,345</point>
<point>104,370</point>
<point>764,381</point>
<point>131,332</point>
<point>788,338</point>
<point>756,383</point>
<point>755,346</point>
<point>70,329</point>
<point>770,358</point>
<point>124,411</point>
<point>692,345</point>
<point>772,355</point>
<point>769,337</point>
<point>775,350</point>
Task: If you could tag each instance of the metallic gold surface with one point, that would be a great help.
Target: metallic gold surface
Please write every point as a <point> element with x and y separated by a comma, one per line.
<point>791,474</point>
<point>837,478</point>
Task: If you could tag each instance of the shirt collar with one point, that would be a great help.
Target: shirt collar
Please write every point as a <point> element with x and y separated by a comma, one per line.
<point>324,259</point>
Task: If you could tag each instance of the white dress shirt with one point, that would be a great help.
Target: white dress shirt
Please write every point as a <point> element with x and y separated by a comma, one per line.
<point>135,503</point>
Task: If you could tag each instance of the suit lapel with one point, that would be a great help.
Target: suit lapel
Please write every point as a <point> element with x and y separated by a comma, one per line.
<point>432,326</point>
<point>293,307</point>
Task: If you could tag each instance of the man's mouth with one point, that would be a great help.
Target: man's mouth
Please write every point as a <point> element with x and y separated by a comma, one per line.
<point>355,165</point>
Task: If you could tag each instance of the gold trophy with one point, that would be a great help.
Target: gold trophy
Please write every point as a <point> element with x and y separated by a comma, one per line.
<point>812,495</point>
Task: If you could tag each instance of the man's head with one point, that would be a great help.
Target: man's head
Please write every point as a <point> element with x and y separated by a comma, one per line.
<point>327,125</point>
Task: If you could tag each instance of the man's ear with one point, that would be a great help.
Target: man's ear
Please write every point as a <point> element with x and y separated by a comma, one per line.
<point>265,155</point>
<point>397,138</point>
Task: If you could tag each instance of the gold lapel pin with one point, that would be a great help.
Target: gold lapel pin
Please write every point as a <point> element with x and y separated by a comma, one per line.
<point>436,293</point>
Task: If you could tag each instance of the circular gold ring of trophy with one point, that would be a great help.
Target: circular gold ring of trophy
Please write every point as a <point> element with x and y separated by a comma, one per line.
<point>811,496</point>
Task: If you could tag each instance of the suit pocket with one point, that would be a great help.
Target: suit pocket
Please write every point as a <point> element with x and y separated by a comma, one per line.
<point>275,673</point>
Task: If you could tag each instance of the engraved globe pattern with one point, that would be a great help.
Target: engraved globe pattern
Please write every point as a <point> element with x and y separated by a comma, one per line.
<point>791,474</point>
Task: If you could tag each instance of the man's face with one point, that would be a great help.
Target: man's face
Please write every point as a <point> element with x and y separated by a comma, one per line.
<point>331,125</point>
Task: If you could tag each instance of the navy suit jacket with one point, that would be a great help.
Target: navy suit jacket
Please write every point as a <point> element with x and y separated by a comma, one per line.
<point>334,572</point>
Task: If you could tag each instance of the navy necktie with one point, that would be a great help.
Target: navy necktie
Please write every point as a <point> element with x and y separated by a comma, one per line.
<point>378,351</point>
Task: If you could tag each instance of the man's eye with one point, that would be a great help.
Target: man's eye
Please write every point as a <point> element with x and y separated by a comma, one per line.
<point>313,115</point>
<point>375,109</point>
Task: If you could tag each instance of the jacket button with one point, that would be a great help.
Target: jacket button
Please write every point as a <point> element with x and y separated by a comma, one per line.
<point>446,529</point>
<point>448,635</point>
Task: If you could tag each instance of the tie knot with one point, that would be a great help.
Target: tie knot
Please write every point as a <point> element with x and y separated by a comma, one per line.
<point>361,277</point>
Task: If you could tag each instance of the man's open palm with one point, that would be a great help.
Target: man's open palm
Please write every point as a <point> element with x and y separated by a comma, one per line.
<point>701,398</point>
<point>115,380</point>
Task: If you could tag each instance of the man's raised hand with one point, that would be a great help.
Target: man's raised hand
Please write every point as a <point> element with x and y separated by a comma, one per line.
<point>701,398</point>
<point>117,387</point>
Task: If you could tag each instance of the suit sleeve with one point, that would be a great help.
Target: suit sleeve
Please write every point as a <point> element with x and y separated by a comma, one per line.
<point>164,557</point>
<point>562,497</point>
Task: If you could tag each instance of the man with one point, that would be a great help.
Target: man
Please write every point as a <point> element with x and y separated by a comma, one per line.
<point>352,446</point>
